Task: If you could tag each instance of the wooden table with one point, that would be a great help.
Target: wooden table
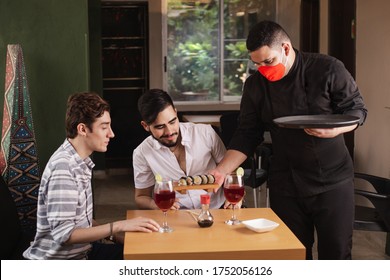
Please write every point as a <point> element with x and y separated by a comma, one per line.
<point>220,241</point>
<point>207,119</point>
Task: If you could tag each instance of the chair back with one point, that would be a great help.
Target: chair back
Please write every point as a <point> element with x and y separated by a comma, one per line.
<point>254,176</point>
<point>15,239</point>
<point>229,123</point>
<point>377,218</point>
<point>379,199</point>
<point>381,185</point>
<point>10,220</point>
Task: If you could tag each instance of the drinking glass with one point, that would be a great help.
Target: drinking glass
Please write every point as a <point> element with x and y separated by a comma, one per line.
<point>164,196</point>
<point>234,191</point>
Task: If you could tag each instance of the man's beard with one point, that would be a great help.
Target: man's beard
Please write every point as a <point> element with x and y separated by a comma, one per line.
<point>169,145</point>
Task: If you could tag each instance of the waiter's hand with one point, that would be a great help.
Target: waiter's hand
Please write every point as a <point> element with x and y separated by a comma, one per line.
<point>329,132</point>
<point>219,177</point>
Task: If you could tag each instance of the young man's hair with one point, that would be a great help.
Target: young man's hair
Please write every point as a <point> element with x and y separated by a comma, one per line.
<point>266,33</point>
<point>152,102</point>
<point>83,107</point>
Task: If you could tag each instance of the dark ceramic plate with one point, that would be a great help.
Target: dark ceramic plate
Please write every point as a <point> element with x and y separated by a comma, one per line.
<point>316,121</point>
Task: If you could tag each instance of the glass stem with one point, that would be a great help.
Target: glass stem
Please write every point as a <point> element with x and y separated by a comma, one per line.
<point>165,223</point>
<point>234,213</point>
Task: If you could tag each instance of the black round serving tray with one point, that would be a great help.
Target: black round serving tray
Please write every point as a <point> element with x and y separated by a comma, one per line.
<point>316,121</point>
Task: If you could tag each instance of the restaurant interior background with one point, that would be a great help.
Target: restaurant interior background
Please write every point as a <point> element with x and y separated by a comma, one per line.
<point>63,54</point>
<point>66,50</point>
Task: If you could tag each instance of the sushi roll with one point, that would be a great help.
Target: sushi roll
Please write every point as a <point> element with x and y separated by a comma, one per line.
<point>204,179</point>
<point>183,181</point>
<point>190,181</point>
<point>211,179</point>
<point>197,179</point>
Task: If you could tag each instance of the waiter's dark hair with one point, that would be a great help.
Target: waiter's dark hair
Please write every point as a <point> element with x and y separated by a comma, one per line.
<point>152,102</point>
<point>266,33</point>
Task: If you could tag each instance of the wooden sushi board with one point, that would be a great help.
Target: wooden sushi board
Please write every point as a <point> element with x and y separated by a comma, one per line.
<point>206,187</point>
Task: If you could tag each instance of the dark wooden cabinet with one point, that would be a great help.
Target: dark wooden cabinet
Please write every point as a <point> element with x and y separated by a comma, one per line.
<point>125,75</point>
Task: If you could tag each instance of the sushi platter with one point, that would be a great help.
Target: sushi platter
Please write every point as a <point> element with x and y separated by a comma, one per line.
<point>197,182</point>
<point>206,187</point>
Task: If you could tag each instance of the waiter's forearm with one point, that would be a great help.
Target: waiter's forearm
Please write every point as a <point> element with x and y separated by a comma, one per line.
<point>231,161</point>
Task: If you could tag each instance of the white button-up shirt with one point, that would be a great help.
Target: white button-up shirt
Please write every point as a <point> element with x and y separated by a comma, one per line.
<point>204,150</point>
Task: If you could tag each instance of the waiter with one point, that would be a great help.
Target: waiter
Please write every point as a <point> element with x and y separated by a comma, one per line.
<point>311,171</point>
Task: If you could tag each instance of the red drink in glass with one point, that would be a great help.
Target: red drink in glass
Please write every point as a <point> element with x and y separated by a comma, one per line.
<point>234,193</point>
<point>164,199</point>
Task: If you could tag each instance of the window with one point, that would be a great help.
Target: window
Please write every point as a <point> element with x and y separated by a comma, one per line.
<point>207,60</point>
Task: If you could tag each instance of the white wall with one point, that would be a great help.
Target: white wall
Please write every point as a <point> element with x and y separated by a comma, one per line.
<point>324,22</point>
<point>288,16</point>
<point>372,140</point>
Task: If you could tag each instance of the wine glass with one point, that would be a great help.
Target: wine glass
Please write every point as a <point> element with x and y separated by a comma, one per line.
<point>234,191</point>
<point>164,197</point>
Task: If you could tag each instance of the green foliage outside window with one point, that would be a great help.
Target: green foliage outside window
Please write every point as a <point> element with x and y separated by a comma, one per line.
<point>235,68</point>
<point>194,32</point>
<point>193,49</point>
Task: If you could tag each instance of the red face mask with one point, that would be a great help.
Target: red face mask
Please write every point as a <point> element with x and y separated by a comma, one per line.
<point>273,73</point>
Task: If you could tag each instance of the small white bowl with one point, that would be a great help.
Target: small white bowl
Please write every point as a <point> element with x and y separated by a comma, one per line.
<point>260,225</point>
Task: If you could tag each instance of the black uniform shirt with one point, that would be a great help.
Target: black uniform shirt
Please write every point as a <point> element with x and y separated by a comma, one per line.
<point>302,165</point>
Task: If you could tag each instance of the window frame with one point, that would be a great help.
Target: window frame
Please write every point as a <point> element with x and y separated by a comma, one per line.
<point>286,13</point>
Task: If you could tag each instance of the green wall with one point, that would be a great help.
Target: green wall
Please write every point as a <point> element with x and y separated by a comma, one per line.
<point>55,39</point>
